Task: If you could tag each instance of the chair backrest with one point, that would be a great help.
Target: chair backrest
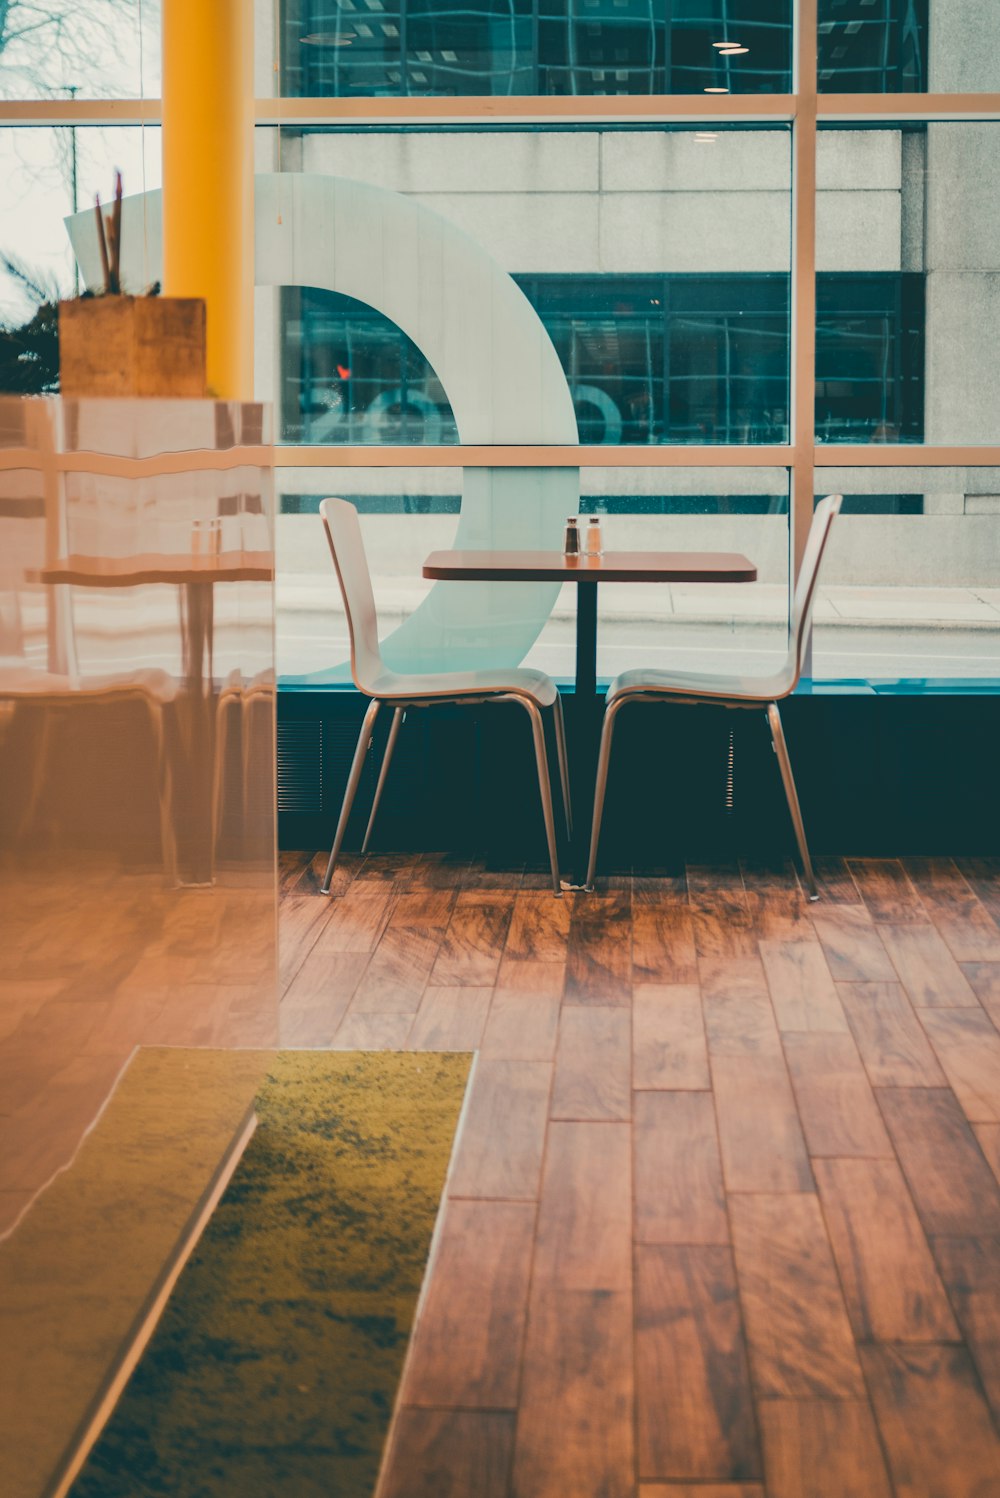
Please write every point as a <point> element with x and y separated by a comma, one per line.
<point>340,521</point>
<point>805,588</point>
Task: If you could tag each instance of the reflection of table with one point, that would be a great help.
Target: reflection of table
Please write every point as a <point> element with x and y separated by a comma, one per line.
<point>196,577</point>
<point>587,572</point>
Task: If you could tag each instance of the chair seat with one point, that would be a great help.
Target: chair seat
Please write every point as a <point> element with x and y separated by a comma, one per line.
<point>390,685</point>
<point>697,684</point>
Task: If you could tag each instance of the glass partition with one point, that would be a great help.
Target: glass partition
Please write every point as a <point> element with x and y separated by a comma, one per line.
<point>551,47</point>
<point>909,247</point>
<point>407,513</point>
<point>136,762</point>
<point>911,586</point>
<point>656,262</point>
<point>91,49</point>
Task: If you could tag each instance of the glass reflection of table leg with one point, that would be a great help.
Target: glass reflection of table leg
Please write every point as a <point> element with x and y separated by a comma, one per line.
<point>194,776</point>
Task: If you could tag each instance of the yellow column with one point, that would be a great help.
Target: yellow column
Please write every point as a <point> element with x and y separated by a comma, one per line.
<point>208,177</point>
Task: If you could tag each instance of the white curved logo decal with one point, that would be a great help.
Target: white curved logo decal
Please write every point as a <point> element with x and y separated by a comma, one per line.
<point>485,343</point>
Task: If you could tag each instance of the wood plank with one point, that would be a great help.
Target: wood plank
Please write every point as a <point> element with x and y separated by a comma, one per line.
<point>836,1104</point>
<point>800,1338</point>
<point>780,917</point>
<point>722,924</point>
<point>499,1150</point>
<point>970,1268</point>
<point>593,1065</point>
<point>466,1349</point>
<point>317,999</point>
<point>663,948</point>
<point>398,971</point>
<point>834,881</point>
<point>695,1415</point>
<point>759,1131</point>
<point>851,942</point>
<point>802,990</point>
<point>372,1032</point>
<point>539,927</point>
<point>937,1430</point>
<point>575,1422</point>
<point>926,968</point>
<point>450,1019</point>
<point>523,1024</point>
<point>301,918</point>
<point>423,909</point>
<point>668,1037</point>
<point>983,876</point>
<point>470,950</point>
<point>966,924</point>
<point>449,1454</point>
<point>886,890</point>
<point>599,957</point>
<point>890,1284</point>
<point>988,1136</point>
<point>532,977</point>
<point>358,918</point>
<point>984,980</point>
<point>968,1047</point>
<point>893,1044</point>
<point>954,1189</point>
<point>739,1016</point>
<point>659,887</point>
<point>701,1490</point>
<point>583,1238</point>
<point>679,1196</point>
<point>822,1449</point>
<point>777,904</point>
<point>441,871</point>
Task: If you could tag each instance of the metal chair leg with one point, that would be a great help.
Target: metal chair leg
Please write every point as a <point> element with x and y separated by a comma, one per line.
<point>545,788</point>
<point>791,795</point>
<point>600,788</point>
<point>563,763</point>
<point>353,780</point>
<point>397,723</point>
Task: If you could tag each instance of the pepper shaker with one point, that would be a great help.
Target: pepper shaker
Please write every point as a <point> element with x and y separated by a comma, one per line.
<point>571,545</point>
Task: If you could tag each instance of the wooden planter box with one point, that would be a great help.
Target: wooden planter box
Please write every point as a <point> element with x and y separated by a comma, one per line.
<point>132,345</point>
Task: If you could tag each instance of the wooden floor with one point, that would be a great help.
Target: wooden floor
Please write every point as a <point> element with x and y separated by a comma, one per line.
<point>724,1219</point>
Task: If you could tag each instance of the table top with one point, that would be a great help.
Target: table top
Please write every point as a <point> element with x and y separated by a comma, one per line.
<point>156,567</point>
<point>611,567</point>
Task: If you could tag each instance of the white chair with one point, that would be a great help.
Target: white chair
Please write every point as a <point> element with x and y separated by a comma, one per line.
<point>532,689</point>
<point>730,691</point>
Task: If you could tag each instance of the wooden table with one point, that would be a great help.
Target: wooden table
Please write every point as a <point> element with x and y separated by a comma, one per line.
<point>587,572</point>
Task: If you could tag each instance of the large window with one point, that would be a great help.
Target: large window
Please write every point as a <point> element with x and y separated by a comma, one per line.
<point>667,324</point>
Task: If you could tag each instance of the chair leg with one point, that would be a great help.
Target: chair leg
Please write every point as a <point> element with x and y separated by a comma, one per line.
<point>353,780</point>
<point>791,795</point>
<point>545,787</point>
<point>600,788</point>
<point>563,763</point>
<point>397,722</point>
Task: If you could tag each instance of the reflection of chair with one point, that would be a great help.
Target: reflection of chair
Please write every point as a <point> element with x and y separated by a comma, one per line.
<point>532,689</point>
<point>646,685</point>
<point>54,697</point>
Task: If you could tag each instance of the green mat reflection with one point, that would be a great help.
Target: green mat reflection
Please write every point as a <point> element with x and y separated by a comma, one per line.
<point>274,1368</point>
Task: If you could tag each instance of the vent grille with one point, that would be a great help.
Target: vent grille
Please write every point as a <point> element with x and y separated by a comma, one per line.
<point>300,765</point>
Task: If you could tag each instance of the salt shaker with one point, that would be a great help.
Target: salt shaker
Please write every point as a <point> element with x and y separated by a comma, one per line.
<point>595,544</point>
<point>571,545</point>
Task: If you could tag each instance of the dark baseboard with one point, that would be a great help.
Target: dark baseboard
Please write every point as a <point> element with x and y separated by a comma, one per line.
<point>877,775</point>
